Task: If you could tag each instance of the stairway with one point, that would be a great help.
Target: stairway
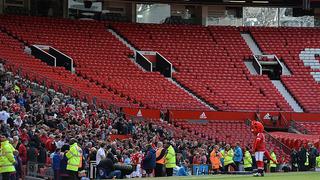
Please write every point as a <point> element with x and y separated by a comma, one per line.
<point>250,67</point>
<point>287,96</point>
<point>252,45</point>
<point>191,94</point>
<point>173,81</point>
<point>285,70</point>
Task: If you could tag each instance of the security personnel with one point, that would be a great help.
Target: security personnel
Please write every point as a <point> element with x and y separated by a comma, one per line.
<point>273,165</point>
<point>7,160</point>
<point>170,159</point>
<point>318,162</point>
<point>74,159</point>
<point>306,164</point>
<point>160,160</point>
<point>247,160</point>
<point>215,157</point>
<point>228,159</point>
<point>16,88</point>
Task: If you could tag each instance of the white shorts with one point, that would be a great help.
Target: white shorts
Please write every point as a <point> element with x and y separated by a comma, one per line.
<point>259,155</point>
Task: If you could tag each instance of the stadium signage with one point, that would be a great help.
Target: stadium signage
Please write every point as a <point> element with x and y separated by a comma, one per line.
<point>79,5</point>
<point>310,58</point>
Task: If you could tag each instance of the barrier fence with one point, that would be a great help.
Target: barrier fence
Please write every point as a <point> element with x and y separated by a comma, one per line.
<point>39,170</point>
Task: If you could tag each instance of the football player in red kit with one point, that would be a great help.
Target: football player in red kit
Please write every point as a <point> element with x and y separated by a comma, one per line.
<point>259,146</point>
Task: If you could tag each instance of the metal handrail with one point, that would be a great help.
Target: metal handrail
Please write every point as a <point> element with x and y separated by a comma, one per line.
<point>282,146</point>
<point>298,127</point>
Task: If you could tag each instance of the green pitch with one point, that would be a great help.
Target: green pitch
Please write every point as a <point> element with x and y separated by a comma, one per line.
<point>268,176</point>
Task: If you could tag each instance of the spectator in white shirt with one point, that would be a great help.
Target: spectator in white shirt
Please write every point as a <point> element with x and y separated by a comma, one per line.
<point>18,122</point>
<point>101,154</point>
<point>4,115</point>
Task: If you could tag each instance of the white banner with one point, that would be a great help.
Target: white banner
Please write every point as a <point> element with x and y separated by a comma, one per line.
<point>78,4</point>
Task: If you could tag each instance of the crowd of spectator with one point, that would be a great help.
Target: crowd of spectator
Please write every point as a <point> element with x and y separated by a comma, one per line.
<point>44,128</point>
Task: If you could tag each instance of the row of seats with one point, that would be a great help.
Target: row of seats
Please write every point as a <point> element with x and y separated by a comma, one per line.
<point>313,128</point>
<point>209,62</point>
<point>228,131</point>
<point>295,141</point>
<point>297,48</point>
<point>57,78</point>
<point>100,57</point>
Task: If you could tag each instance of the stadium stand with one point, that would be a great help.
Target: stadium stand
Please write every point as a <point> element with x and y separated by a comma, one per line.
<point>312,128</point>
<point>209,62</point>
<point>225,131</point>
<point>57,78</point>
<point>108,63</point>
<point>295,141</point>
<point>287,43</point>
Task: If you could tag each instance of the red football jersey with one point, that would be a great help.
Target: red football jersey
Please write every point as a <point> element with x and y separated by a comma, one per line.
<point>259,143</point>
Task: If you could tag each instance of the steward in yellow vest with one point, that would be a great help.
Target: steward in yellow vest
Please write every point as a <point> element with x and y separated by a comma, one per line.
<point>170,161</point>
<point>7,160</point>
<point>318,162</point>
<point>74,156</point>
<point>228,159</point>
<point>247,160</point>
<point>273,166</point>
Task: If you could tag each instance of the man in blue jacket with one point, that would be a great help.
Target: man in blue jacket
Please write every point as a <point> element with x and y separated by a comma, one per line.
<point>237,155</point>
<point>56,160</point>
<point>149,161</point>
<point>183,170</point>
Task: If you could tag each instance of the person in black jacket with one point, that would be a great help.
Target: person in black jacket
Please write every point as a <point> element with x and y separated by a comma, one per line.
<point>302,158</point>
<point>106,169</point>
<point>294,160</point>
<point>313,153</point>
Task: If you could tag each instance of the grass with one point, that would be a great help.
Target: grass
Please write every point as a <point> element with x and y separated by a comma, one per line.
<point>268,176</point>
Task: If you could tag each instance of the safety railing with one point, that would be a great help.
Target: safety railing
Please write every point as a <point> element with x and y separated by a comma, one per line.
<point>39,170</point>
<point>298,127</point>
<point>274,140</point>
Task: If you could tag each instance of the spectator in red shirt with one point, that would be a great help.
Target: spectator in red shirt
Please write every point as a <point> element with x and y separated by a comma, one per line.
<point>50,144</point>
<point>43,137</point>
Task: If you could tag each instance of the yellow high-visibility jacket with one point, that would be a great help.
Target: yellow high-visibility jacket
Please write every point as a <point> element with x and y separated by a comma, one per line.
<point>228,157</point>
<point>7,160</point>
<point>74,157</point>
<point>247,160</point>
<point>170,158</point>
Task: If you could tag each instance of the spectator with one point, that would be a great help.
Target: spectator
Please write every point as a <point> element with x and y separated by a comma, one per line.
<point>160,160</point>
<point>294,160</point>
<point>313,153</point>
<point>23,155</point>
<point>17,166</point>
<point>4,115</point>
<point>196,159</point>
<point>183,170</point>
<point>56,160</point>
<point>149,160</point>
<point>303,160</point>
<point>237,155</point>
<point>106,169</point>
<point>170,161</point>
<point>101,154</point>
